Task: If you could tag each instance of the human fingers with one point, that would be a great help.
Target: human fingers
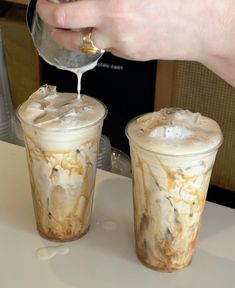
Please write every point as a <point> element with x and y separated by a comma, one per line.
<point>70,15</point>
<point>73,40</point>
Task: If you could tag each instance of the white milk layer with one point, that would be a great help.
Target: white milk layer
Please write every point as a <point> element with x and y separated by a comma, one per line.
<point>175,131</point>
<point>50,109</point>
<point>61,121</point>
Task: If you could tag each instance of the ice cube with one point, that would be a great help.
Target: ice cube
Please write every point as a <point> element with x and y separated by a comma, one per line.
<point>170,132</point>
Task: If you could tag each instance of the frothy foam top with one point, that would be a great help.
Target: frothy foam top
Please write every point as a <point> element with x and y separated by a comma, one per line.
<point>175,131</point>
<point>50,109</point>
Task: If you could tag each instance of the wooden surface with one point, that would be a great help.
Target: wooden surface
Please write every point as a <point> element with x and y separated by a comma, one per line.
<point>24,2</point>
<point>164,84</point>
<point>22,59</point>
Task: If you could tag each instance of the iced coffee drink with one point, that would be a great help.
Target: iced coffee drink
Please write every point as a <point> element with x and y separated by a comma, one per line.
<point>172,154</point>
<point>62,134</point>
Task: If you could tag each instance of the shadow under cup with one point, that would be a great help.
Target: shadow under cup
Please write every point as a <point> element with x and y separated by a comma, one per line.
<point>62,169</point>
<point>169,193</point>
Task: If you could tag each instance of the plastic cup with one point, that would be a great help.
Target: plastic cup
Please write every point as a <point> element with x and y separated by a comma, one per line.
<point>62,169</point>
<point>104,155</point>
<point>169,193</point>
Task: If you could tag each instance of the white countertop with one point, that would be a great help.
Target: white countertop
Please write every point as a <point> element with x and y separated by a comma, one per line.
<point>105,256</point>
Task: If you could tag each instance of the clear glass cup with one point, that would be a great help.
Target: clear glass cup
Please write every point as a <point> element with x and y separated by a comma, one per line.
<point>50,51</point>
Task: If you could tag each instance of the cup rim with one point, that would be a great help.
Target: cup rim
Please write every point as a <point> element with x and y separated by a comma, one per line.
<point>216,147</point>
<point>59,129</point>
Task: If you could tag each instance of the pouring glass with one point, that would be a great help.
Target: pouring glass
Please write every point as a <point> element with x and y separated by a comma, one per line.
<point>50,51</point>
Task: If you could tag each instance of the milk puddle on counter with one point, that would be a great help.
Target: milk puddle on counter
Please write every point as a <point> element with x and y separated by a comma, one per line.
<point>46,253</point>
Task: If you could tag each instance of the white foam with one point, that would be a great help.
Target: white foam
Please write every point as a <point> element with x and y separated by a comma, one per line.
<point>49,108</point>
<point>170,132</point>
<point>175,131</point>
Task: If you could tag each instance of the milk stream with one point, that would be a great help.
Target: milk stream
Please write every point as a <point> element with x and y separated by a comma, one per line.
<point>79,78</point>
<point>79,72</point>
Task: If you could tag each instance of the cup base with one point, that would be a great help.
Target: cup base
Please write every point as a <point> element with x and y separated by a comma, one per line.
<point>163,269</point>
<point>54,239</point>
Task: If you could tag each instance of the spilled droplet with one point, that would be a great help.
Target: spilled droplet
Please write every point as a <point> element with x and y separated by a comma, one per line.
<point>46,253</point>
<point>109,225</point>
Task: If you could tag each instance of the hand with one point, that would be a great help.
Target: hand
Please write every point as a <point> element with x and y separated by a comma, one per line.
<point>134,29</point>
<point>201,30</point>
